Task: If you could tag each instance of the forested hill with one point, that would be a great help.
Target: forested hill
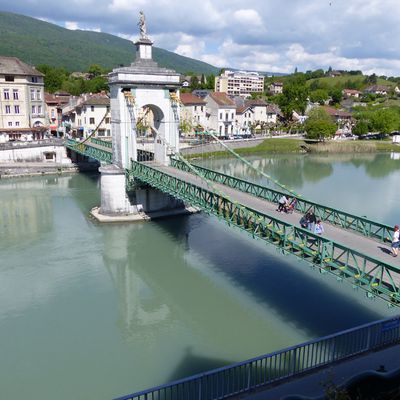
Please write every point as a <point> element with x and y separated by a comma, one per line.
<point>37,42</point>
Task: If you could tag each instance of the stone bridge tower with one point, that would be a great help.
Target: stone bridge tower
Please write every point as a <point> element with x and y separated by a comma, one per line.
<point>135,90</point>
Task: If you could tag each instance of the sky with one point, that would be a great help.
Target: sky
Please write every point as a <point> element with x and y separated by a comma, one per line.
<point>261,35</point>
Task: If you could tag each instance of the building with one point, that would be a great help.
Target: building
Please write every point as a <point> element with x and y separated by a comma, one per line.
<point>377,89</point>
<point>22,106</point>
<point>54,104</point>
<point>86,114</point>
<point>220,114</point>
<point>240,83</point>
<point>351,93</point>
<point>275,88</point>
<point>193,111</point>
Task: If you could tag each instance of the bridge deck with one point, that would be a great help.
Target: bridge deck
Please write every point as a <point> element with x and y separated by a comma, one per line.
<point>351,239</point>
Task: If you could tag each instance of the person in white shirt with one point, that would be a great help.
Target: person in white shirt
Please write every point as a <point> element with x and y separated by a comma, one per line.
<point>395,241</point>
<point>282,203</point>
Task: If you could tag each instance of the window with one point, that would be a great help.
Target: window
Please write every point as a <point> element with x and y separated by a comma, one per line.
<point>8,109</point>
<point>6,93</point>
<point>220,116</point>
<point>17,123</point>
<point>84,120</point>
<point>108,132</point>
<point>91,121</point>
<point>92,108</point>
<point>16,109</point>
<point>32,94</point>
<point>9,78</point>
<point>195,108</point>
<point>33,109</point>
<point>9,123</point>
<point>52,113</point>
<point>38,95</point>
<point>34,79</point>
<point>233,116</point>
<point>101,132</point>
<point>15,94</point>
<point>108,120</point>
<point>220,129</point>
<point>39,109</point>
<point>79,122</point>
<point>202,108</point>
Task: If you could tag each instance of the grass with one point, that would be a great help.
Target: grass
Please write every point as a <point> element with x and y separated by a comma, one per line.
<point>341,80</point>
<point>274,146</point>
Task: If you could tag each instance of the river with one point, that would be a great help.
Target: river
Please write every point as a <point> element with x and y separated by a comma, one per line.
<point>91,311</point>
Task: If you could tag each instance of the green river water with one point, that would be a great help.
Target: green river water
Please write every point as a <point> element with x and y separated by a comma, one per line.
<point>90,311</point>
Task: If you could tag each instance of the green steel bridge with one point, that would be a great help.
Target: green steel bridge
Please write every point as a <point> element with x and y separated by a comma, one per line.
<point>354,249</point>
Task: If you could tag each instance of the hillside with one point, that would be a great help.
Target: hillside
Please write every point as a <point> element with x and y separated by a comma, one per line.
<point>38,42</point>
<point>331,82</point>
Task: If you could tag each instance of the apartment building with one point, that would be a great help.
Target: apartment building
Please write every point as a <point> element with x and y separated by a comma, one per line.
<point>54,105</point>
<point>22,106</point>
<point>239,83</point>
<point>87,113</point>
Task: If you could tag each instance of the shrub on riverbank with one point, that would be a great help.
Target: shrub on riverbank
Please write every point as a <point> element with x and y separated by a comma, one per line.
<point>273,146</point>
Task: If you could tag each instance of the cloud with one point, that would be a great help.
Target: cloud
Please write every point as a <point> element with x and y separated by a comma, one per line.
<point>265,34</point>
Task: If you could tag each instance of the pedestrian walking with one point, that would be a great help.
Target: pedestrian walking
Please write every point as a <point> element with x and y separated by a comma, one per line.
<point>312,219</point>
<point>282,204</point>
<point>319,228</point>
<point>395,241</point>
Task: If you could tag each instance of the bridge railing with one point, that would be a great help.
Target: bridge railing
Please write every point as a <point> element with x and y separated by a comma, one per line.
<point>278,366</point>
<point>377,278</point>
<point>362,225</point>
<point>101,142</point>
<point>85,149</point>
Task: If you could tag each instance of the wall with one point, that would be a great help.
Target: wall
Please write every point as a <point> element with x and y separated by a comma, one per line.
<point>34,154</point>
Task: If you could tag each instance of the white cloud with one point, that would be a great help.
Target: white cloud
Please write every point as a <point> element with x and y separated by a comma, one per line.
<point>71,25</point>
<point>265,34</point>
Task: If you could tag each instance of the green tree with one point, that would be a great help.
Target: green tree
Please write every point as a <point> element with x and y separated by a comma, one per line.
<point>54,77</point>
<point>294,96</point>
<point>336,95</point>
<point>319,125</point>
<point>95,70</point>
<point>385,120</point>
<point>194,83</point>
<point>361,127</point>
<point>319,96</point>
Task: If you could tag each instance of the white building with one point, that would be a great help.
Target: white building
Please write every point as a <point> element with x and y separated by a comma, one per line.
<point>89,113</point>
<point>253,114</point>
<point>240,83</point>
<point>276,88</point>
<point>193,111</point>
<point>221,114</point>
<point>22,107</point>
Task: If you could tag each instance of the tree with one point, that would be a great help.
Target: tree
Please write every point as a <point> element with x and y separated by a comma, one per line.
<point>336,95</point>
<point>294,96</point>
<point>194,83</point>
<point>385,120</point>
<point>95,70</point>
<point>54,77</point>
<point>319,125</point>
<point>319,96</point>
<point>361,127</point>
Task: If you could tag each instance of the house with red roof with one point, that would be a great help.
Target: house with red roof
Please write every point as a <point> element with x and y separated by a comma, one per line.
<point>221,114</point>
<point>193,111</point>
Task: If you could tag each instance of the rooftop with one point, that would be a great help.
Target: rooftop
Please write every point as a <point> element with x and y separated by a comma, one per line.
<point>14,66</point>
<point>189,98</point>
<point>222,99</point>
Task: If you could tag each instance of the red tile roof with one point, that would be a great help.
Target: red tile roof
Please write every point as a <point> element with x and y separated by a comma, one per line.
<point>222,99</point>
<point>189,98</point>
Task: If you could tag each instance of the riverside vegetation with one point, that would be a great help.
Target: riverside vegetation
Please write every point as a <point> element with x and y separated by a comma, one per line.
<point>277,145</point>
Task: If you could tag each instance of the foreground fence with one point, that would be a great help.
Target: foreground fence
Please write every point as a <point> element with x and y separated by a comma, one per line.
<point>261,371</point>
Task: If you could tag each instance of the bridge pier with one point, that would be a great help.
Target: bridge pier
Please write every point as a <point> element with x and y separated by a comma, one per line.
<point>114,200</point>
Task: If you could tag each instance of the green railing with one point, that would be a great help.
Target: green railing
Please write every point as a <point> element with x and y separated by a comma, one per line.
<point>280,366</point>
<point>85,149</point>
<point>362,225</point>
<point>375,277</point>
<point>101,142</point>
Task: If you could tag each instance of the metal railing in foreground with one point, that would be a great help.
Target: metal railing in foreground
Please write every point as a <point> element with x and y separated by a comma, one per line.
<point>261,371</point>
<point>362,225</point>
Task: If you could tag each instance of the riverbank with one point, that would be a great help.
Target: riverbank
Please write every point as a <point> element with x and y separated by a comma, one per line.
<point>277,145</point>
<point>19,170</point>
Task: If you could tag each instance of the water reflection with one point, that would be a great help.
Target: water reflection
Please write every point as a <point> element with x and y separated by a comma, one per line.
<point>295,171</point>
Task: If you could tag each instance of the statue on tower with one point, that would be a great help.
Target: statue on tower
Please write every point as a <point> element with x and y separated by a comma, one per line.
<point>142,25</point>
